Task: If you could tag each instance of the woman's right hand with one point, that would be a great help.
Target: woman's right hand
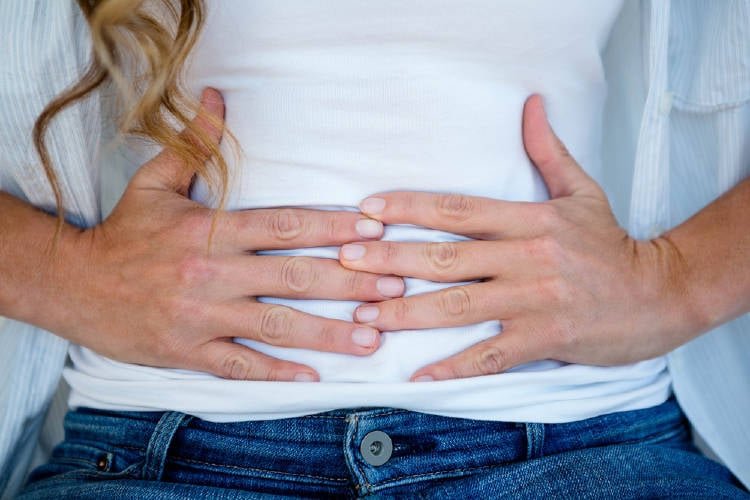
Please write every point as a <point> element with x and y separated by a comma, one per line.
<point>143,287</point>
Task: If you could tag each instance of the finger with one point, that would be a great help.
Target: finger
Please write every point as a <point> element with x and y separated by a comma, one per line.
<point>289,228</point>
<point>495,355</point>
<point>283,326</point>
<point>170,170</point>
<point>563,175</point>
<point>443,262</point>
<point>453,306</point>
<point>230,360</point>
<point>208,121</point>
<point>301,278</point>
<point>472,216</point>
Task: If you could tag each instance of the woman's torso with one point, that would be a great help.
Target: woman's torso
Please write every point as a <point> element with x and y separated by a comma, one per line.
<point>336,100</point>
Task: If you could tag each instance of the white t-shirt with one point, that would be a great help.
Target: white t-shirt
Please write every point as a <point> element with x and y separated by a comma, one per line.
<point>333,101</point>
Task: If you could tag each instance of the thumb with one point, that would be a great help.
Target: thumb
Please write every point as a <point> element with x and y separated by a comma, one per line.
<point>171,169</point>
<point>561,173</point>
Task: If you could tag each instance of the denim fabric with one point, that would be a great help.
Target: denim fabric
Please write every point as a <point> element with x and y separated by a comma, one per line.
<point>637,454</point>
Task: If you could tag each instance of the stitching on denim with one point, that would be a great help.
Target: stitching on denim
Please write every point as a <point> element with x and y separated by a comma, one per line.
<point>656,438</point>
<point>159,443</point>
<point>534,440</point>
<point>378,413</point>
<point>75,475</point>
<point>437,473</point>
<point>73,459</point>
<point>255,469</point>
<point>359,464</point>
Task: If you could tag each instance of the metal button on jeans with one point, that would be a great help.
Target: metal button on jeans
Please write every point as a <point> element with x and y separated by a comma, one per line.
<point>376,448</point>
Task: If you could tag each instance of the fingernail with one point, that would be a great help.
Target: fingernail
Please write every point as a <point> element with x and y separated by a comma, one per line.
<point>424,378</point>
<point>366,337</point>
<point>390,286</point>
<point>366,314</point>
<point>304,377</point>
<point>372,205</point>
<point>368,228</point>
<point>210,94</point>
<point>352,252</point>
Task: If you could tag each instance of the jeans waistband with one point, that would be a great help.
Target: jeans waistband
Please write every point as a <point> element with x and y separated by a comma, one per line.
<point>330,449</point>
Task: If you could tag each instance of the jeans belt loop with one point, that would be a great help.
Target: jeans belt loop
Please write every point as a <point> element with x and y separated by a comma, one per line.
<point>534,440</point>
<point>158,445</point>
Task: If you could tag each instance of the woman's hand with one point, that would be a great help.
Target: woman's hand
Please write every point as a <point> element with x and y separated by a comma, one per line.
<point>143,287</point>
<point>564,279</point>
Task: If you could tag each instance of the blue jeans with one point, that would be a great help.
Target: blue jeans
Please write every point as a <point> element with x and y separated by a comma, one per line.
<point>382,453</point>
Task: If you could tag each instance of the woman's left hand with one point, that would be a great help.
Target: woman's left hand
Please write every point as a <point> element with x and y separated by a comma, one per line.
<point>563,278</point>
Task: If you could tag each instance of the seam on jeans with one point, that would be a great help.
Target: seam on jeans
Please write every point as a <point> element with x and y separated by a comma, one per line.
<point>175,458</point>
<point>657,438</point>
<point>376,413</point>
<point>73,459</point>
<point>361,471</point>
<point>435,473</point>
<point>76,475</point>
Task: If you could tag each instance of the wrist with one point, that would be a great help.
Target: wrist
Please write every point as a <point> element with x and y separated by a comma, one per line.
<point>677,313</point>
<point>66,279</point>
<point>49,271</point>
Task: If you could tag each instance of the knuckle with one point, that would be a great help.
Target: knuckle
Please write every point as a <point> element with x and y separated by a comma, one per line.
<point>389,252</point>
<point>285,224</point>
<point>196,223</point>
<point>547,249</point>
<point>235,366</point>
<point>552,251</point>
<point>401,310</point>
<point>355,284</point>
<point>546,216</point>
<point>455,206</point>
<point>275,325</point>
<point>490,360</point>
<point>326,337</point>
<point>274,371</point>
<point>442,257</point>
<point>194,270</point>
<point>298,274</point>
<point>333,228</point>
<point>554,290</point>
<point>455,302</point>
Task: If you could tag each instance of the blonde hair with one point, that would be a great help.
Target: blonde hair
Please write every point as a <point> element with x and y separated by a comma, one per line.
<point>140,47</point>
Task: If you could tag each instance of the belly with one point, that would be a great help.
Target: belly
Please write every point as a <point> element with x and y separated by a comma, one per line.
<point>326,118</point>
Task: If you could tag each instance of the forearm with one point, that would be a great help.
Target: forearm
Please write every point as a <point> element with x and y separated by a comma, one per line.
<point>714,249</point>
<point>34,267</point>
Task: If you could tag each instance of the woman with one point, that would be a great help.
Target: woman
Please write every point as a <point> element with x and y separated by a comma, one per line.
<point>548,386</point>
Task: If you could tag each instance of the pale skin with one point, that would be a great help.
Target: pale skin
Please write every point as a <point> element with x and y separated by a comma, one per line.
<point>143,288</point>
<point>565,280</point>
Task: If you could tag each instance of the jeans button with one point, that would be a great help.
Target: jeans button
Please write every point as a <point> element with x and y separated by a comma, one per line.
<point>376,448</point>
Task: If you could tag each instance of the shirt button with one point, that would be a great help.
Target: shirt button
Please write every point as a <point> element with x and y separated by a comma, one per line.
<point>376,448</point>
<point>665,105</point>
